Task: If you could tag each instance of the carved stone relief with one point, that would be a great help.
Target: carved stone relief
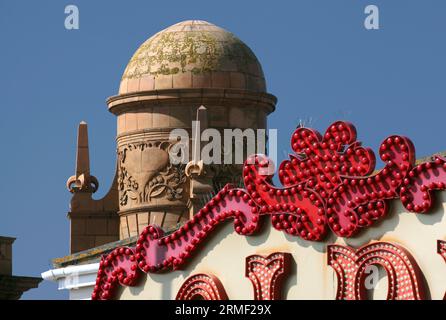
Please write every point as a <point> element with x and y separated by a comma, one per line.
<point>145,173</point>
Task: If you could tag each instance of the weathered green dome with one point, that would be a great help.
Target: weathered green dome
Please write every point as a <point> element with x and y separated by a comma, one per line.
<point>193,54</point>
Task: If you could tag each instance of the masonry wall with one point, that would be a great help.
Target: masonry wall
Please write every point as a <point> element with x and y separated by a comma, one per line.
<point>6,255</point>
<point>91,230</point>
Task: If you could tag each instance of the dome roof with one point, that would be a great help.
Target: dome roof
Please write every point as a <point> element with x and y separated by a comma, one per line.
<point>193,54</point>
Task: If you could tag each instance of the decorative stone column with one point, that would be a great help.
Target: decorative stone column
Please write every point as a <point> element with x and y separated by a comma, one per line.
<point>151,189</point>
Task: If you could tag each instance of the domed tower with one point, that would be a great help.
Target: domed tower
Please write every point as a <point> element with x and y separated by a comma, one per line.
<point>172,74</point>
<point>164,86</point>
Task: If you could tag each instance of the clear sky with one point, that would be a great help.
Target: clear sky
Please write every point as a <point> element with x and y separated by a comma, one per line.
<point>317,57</point>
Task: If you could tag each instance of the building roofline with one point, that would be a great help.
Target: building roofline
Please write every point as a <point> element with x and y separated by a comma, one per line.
<point>94,254</point>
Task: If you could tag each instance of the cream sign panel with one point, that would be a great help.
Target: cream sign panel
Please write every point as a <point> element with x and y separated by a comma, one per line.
<point>310,277</point>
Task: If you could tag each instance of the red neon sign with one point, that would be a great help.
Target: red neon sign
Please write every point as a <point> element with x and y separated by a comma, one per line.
<point>202,286</point>
<point>405,280</point>
<point>442,252</point>
<point>265,273</point>
<point>326,186</point>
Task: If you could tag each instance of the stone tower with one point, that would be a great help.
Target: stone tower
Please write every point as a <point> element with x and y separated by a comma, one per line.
<point>175,72</point>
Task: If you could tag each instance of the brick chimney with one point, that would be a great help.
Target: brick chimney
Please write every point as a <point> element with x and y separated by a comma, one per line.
<point>6,255</point>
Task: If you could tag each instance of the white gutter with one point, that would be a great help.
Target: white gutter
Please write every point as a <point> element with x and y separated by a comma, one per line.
<point>56,274</point>
<point>79,280</point>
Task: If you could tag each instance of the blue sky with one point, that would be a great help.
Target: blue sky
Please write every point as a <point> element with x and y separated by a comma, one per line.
<point>317,57</point>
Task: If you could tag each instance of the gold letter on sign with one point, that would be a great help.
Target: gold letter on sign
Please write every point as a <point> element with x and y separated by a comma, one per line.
<point>267,273</point>
<point>404,275</point>
<point>202,287</point>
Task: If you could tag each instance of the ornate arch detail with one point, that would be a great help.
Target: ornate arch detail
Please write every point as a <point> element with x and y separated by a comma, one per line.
<point>202,285</point>
<point>404,276</point>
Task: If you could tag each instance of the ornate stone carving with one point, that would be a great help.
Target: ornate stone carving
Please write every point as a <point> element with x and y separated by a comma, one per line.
<point>82,183</point>
<point>168,182</point>
<point>146,173</point>
<point>82,180</point>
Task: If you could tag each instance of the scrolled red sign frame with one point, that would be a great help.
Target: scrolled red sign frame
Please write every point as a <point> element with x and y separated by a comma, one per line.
<point>327,185</point>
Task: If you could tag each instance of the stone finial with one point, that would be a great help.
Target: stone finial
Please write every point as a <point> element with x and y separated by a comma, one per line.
<point>195,167</point>
<point>200,178</point>
<point>201,123</point>
<point>93,222</point>
<point>82,181</point>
